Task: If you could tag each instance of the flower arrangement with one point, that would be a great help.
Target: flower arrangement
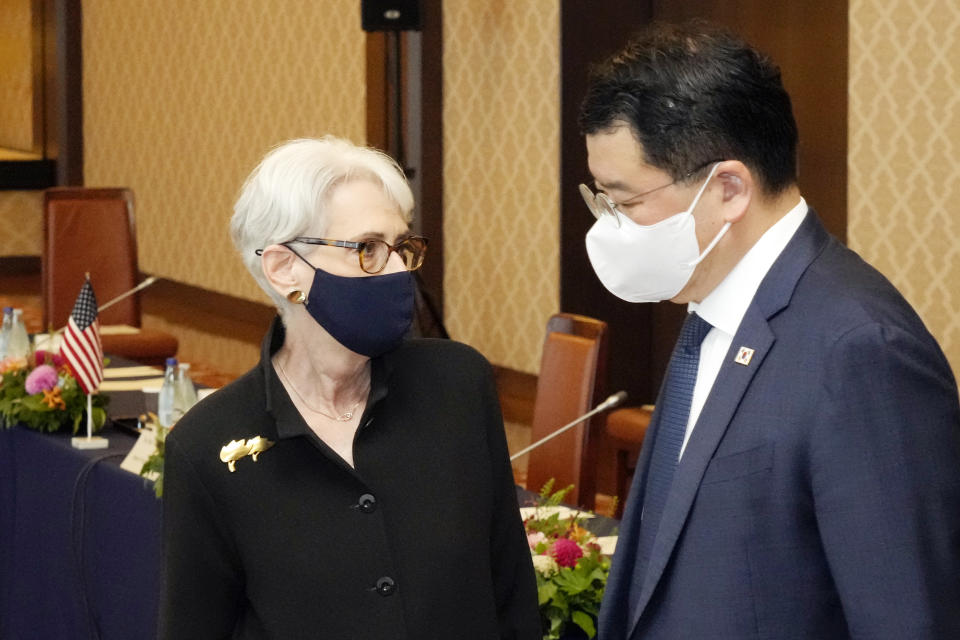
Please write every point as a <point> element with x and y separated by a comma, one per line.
<point>40,392</point>
<point>571,570</point>
<point>153,467</point>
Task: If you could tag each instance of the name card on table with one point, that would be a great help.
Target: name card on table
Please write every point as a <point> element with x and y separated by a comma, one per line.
<point>142,449</point>
<point>608,544</point>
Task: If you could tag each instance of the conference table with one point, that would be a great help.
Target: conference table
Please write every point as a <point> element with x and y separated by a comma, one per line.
<point>79,540</point>
<point>80,537</point>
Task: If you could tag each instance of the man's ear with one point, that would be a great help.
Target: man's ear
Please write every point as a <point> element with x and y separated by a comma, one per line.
<point>279,267</point>
<point>739,189</point>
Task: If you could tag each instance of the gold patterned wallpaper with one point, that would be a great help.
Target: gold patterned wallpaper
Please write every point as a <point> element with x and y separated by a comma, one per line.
<point>904,173</point>
<point>21,223</point>
<point>182,98</point>
<point>501,169</point>
<point>16,75</point>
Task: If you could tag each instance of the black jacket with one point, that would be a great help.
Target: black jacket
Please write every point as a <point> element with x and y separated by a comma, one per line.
<point>421,540</point>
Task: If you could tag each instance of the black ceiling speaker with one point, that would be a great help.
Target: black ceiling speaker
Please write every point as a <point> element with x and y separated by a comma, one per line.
<point>390,15</point>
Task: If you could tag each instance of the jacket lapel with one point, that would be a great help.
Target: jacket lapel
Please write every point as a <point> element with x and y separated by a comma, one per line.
<point>731,384</point>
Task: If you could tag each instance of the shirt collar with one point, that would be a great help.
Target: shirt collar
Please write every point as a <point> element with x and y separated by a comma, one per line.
<point>725,306</point>
<point>278,404</point>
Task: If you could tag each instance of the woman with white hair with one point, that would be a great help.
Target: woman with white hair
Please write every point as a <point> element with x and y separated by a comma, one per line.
<point>355,484</point>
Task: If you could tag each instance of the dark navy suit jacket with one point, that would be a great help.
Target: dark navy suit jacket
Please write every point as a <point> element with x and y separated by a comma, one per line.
<point>819,494</point>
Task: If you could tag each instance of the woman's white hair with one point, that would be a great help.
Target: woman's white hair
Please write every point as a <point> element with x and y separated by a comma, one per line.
<point>286,195</point>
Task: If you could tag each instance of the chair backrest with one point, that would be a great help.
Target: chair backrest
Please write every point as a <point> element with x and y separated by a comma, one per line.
<point>91,231</point>
<point>571,382</point>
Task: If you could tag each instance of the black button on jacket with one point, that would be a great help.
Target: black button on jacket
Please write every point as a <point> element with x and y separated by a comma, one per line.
<point>421,540</point>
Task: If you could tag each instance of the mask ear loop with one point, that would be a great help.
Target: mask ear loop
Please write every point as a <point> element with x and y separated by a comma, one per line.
<point>296,296</point>
<point>259,252</point>
<point>713,243</point>
<point>290,249</point>
<point>723,230</point>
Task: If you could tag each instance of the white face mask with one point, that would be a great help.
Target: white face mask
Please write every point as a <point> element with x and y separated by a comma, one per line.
<point>648,263</point>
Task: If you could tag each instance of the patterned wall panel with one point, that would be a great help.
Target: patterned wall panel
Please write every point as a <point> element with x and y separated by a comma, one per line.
<point>16,75</point>
<point>904,142</point>
<point>501,175</point>
<point>21,223</point>
<point>182,98</point>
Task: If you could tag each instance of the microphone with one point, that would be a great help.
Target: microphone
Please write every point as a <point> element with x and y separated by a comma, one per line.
<point>612,401</point>
<point>143,285</point>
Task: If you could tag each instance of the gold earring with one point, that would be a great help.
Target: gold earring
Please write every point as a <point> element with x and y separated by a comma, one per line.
<point>296,297</point>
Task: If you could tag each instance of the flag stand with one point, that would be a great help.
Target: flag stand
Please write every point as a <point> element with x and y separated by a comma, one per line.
<point>89,441</point>
<point>83,352</point>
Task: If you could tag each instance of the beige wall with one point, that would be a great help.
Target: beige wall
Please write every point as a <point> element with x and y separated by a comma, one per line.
<point>904,172</point>
<point>501,170</point>
<point>182,98</point>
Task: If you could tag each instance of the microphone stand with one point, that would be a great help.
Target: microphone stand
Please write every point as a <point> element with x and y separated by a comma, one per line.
<point>614,400</point>
<point>52,334</point>
<point>143,285</point>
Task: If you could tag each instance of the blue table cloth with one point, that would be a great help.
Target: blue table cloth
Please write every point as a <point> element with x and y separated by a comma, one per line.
<point>79,541</point>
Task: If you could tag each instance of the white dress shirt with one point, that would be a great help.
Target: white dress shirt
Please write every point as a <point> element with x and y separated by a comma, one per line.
<point>725,306</point>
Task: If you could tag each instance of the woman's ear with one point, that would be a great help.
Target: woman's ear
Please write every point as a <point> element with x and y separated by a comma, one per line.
<point>280,268</point>
<point>738,189</point>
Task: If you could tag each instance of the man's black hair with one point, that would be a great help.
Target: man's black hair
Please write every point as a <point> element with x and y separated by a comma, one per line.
<point>692,94</point>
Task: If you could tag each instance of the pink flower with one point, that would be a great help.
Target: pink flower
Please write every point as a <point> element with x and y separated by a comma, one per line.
<point>534,538</point>
<point>43,378</point>
<point>566,552</point>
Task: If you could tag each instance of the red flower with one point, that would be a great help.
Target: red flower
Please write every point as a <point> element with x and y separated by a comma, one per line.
<point>47,357</point>
<point>566,552</point>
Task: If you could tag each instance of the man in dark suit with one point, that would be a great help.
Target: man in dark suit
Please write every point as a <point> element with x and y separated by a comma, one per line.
<point>801,475</point>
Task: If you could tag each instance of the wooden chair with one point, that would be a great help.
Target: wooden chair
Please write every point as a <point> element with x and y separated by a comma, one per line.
<point>571,382</point>
<point>92,231</point>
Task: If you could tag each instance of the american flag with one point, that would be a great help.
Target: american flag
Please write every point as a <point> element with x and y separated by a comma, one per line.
<point>81,341</point>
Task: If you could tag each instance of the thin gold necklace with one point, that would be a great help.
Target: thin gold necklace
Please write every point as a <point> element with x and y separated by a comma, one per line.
<point>346,416</point>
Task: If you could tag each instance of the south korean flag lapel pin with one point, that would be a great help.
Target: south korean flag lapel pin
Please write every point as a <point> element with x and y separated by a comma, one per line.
<point>744,356</point>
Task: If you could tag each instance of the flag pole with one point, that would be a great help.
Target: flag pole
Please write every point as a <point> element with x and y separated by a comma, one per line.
<point>90,441</point>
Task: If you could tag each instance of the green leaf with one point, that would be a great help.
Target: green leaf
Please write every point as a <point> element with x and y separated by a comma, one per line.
<point>546,488</point>
<point>34,403</point>
<point>547,592</point>
<point>585,622</point>
<point>573,582</point>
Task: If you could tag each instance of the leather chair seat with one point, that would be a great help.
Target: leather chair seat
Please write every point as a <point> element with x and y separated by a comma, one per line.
<point>148,346</point>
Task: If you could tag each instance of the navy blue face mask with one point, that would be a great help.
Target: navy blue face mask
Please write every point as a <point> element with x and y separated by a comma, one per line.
<point>369,315</point>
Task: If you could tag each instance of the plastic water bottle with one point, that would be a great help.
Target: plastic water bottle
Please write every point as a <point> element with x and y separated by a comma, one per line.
<point>5,331</point>
<point>166,411</point>
<point>18,341</point>
<point>185,394</point>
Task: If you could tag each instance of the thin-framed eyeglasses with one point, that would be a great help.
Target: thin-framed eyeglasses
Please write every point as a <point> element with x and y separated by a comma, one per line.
<point>600,204</point>
<point>374,254</point>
